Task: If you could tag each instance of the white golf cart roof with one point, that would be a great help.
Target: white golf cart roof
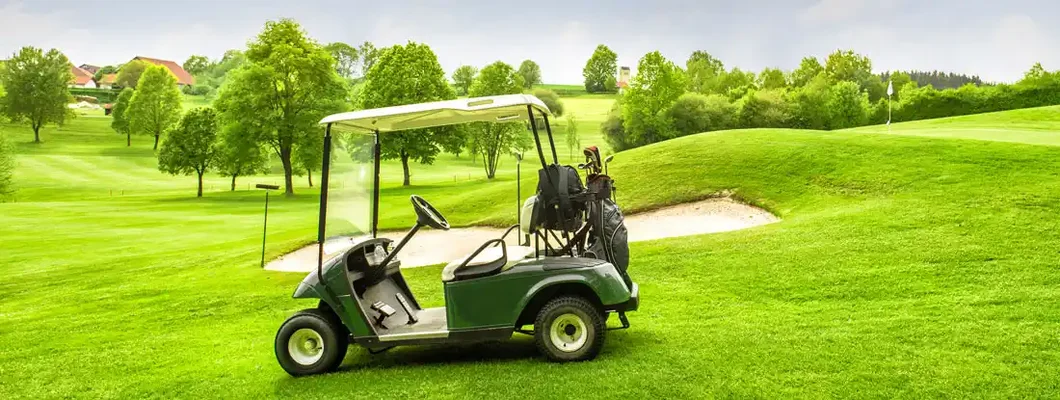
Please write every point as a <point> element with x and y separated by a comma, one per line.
<point>504,108</point>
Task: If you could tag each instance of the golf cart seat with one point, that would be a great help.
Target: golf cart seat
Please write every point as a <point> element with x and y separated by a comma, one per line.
<point>493,257</point>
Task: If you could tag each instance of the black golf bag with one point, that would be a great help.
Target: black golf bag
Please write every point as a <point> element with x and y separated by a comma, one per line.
<point>608,239</point>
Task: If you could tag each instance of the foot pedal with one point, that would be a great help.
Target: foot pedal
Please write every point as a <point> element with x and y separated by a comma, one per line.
<point>385,311</point>
<point>408,309</point>
<point>622,318</point>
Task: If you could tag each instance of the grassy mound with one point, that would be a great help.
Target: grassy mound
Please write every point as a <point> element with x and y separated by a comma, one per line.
<point>904,266</point>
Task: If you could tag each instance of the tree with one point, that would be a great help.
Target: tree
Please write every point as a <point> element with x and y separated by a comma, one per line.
<point>772,78</point>
<point>309,155</point>
<point>405,75</point>
<point>345,56</point>
<point>369,56</point>
<point>573,140</point>
<point>694,113</point>
<point>847,105</point>
<point>734,83</point>
<point>287,84</point>
<point>599,71</point>
<point>7,167</point>
<point>764,109</point>
<point>239,154</point>
<point>191,147</point>
<point>120,118</point>
<point>551,99</point>
<point>808,68</point>
<point>703,71</point>
<point>530,72</point>
<point>853,67</point>
<point>36,84</point>
<point>155,105</point>
<point>105,70</point>
<point>129,74</point>
<point>463,76</point>
<point>493,140</point>
<point>655,88</point>
<point>196,64</point>
<point>809,104</point>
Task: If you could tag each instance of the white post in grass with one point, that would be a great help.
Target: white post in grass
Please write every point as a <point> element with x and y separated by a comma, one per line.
<point>890,91</point>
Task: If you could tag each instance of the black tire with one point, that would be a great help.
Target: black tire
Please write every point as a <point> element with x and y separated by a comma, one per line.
<point>563,323</point>
<point>319,332</point>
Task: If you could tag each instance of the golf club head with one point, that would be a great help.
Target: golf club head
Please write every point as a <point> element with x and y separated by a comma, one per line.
<point>609,158</point>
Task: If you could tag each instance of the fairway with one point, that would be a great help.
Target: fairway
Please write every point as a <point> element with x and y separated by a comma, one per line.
<point>916,264</point>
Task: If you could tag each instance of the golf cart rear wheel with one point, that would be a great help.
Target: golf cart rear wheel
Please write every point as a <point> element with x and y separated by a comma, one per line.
<point>569,329</point>
<point>311,342</point>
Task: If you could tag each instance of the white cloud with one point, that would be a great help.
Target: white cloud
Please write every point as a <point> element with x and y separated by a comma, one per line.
<point>835,11</point>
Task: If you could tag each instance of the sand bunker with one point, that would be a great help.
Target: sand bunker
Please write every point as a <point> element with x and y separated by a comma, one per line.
<point>430,247</point>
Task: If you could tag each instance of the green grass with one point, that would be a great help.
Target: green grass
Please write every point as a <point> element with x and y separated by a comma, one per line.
<point>1031,125</point>
<point>904,267</point>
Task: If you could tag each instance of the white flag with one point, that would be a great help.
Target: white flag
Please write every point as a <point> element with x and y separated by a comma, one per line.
<point>890,88</point>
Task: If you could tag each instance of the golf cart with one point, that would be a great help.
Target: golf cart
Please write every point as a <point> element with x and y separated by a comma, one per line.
<point>565,277</point>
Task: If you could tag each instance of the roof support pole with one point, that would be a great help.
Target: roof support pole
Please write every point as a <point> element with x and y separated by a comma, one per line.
<point>537,139</point>
<point>548,129</point>
<point>322,223</point>
<point>375,194</point>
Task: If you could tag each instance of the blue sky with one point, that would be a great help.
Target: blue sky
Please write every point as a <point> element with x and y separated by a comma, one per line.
<point>997,40</point>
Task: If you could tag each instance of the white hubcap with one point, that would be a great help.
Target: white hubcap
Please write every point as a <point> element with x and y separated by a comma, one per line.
<point>567,333</point>
<point>305,346</point>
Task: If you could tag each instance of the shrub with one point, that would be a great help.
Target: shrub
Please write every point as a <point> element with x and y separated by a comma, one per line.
<point>551,99</point>
<point>764,109</point>
<point>614,130</point>
<point>197,90</point>
<point>847,106</point>
<point>102,95</point>
<point>694,113</point>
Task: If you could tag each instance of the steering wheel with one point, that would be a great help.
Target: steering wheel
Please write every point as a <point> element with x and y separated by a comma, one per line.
<point>426,214</point>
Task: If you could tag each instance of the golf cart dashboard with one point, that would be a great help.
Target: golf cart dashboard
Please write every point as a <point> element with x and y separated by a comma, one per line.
<point>367,257</point>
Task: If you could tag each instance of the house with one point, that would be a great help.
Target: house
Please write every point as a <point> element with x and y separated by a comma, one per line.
<point>183,77</point>
<point>623,79</point>
<point>92,69</point>
<point>107,81</point>
<point>82,78</point>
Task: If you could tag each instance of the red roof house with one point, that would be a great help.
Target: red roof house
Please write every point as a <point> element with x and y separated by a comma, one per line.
<point>82,78</point>
<point>183,77</point>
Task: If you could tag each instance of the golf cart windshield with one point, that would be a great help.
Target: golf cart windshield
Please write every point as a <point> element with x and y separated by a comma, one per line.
<point>351,185</point>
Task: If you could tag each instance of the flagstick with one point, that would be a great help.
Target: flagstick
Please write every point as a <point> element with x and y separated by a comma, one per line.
<point>890,91</point>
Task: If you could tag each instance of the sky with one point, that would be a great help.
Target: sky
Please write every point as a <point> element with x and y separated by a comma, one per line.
<point>997,40</point>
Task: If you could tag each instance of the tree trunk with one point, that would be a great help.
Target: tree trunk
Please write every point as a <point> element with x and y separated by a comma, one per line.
<point>309,174</point>
<point>156,141</point>
<point>36,133</point>
<point>128,139</point>
<point>288,170</point>
<point>200,185</point>
<point>233,182</point>
<point>405,166</point>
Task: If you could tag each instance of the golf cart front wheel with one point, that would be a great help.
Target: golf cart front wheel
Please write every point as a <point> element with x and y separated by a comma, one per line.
<point>569,329</point>
<point>311,342</point>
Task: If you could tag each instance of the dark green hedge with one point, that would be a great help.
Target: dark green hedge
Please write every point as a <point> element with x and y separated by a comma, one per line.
<point>103,95</point>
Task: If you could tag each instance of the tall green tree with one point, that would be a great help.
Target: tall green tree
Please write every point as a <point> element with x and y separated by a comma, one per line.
<point>530,72</point>
<point>847,105</point>
<point>809,103</point>
<point>196,64</point>
<point>703,71</point>
<point>369,55</point>
<point>734,83</point>
<point>551,99</point>
<point>655,88</point>
<point>463,77</point>
<point>239,154</point>
<point>808,68</point>
<point>405,75</point>
<point>494,140</point>
<point>191,147</point>
<point>155,105</point>
<point>119,117</point>
<point>572,139</point>
<point>37,91</point>
<point>346,58</point>
<point>129,74</point>
<point>287,84</point>
<point>309,156</point>
<point>772,78</point>
<point>600,70</point>
<point>7,167</point>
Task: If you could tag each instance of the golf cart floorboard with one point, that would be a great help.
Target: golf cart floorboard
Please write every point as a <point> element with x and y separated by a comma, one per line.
<point>432,322</point>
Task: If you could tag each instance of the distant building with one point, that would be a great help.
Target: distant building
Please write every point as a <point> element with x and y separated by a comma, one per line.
<point>82,78</point>
<point>183,77</point>
<point>107,81</point>
<point>92,69</point>
<point>623,78</point>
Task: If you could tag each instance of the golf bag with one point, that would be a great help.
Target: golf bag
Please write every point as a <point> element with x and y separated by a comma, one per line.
<point>561,197</point>
<point>608,239</point>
